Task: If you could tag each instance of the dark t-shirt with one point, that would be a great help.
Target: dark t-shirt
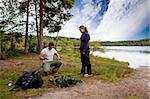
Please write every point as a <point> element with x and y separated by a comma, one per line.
<point>84,45</point>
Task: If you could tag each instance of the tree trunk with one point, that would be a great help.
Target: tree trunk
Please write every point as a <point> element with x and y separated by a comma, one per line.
<point>56,40</point>
<point>41,25</point>
<point>12,43</point>
<point>0,49</point>
<point>26,35</point>
<point>37,28</point>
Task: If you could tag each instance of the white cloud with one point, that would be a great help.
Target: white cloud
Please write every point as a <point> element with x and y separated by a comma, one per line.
<point>82,16</point>
<point>123,19</point>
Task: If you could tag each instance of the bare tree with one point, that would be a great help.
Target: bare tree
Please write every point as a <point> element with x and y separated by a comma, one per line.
<point>41,25</point>
<point>27,25</point>
<point>36,19</point>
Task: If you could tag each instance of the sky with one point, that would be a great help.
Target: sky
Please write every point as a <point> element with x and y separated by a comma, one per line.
<point>109,20</point>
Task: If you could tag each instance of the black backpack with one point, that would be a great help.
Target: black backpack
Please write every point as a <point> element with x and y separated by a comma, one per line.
<point>29,80</point>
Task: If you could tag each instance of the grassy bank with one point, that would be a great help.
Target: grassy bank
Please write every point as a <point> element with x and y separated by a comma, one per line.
<point>102,68</point>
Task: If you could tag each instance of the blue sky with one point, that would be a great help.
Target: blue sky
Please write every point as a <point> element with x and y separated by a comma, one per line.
<point>142,35</point>
<point>109,20</point>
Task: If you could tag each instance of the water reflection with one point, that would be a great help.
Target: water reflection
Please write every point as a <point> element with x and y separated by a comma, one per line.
<point>136,56</point>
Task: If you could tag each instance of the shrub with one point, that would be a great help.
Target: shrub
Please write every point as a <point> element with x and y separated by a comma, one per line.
<point>13,53</point>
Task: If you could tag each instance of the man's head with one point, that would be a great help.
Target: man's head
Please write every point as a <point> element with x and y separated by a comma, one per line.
<point>50,45</point>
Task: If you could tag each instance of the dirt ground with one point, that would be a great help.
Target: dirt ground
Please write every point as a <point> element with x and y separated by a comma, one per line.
<point>24,63</point>
<point>134,87</point>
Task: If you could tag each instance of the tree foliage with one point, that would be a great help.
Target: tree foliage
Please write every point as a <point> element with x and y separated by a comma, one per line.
<point>10,19</point>
<point>56,13</point>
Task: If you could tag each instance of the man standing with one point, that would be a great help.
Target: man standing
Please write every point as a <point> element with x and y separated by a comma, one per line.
<point>50,66</point>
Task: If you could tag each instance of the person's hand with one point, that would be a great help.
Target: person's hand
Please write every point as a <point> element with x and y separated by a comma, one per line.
<point>58,58</point>
<point>83,53</point>
<point>45,58</point>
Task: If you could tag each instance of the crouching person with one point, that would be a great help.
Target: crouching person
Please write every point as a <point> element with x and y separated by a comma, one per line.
<point>50,65</point>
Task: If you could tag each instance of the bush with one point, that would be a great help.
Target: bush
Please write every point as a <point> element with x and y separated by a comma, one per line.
<point>13,53</point>
<point>10,53</point>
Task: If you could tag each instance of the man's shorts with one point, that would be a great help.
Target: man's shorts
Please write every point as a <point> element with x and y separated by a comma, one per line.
<point>51,66</point>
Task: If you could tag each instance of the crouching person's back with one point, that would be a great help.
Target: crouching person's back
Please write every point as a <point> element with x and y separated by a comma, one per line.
<point>50,65</point>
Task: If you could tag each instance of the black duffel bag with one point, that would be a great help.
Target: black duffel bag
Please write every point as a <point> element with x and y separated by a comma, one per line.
<point>29,80</point>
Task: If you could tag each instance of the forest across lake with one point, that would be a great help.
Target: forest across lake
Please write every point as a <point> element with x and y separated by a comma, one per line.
<point>143,42</point>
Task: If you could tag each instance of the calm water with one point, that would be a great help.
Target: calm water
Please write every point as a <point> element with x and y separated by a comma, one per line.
<point>136,55</point>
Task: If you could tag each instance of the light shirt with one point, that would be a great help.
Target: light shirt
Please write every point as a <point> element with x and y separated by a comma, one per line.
<point>49,54</point>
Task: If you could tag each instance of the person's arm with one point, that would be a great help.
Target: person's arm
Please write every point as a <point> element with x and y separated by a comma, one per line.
<point>42,55</point>
<point>58,55</point>
<point>86,43</point>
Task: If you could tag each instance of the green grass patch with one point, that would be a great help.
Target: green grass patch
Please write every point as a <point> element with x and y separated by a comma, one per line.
<point>133,97</point>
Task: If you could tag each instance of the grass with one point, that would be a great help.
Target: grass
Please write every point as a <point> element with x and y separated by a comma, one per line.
<point>5,77</point>
<point>102,68</point>
<point>133,97</point>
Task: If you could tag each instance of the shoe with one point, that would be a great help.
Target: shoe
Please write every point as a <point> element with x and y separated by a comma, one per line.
<point>87,75</point>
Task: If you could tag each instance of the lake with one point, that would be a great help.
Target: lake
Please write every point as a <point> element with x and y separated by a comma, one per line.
<point>136,55</point>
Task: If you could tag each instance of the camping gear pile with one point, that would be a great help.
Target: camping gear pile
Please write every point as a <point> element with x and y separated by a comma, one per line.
<point>33,79</point>
<point>65,81</point>
<point>28,80</point>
